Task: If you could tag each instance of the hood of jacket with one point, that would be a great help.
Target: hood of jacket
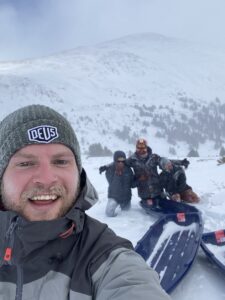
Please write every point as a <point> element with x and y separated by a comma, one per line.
<point>119,154</point>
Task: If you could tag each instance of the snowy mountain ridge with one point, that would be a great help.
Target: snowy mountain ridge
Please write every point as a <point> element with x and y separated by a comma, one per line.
<point>110,89</point>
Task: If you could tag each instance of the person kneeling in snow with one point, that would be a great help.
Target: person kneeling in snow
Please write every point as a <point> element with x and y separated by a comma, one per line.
<point>121,179</point>
<point>173,180</point>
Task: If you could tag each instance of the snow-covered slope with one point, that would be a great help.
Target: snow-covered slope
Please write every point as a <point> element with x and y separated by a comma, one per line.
<point>142,68</point>
<point>103,88</point>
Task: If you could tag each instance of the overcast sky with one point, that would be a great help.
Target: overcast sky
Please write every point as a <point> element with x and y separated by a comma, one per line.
<point>33,28</point>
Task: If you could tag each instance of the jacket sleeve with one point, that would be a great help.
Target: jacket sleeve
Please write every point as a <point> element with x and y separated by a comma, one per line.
<point>180,181</point>
<point>125,275</point>
<point>133,182</point>
<point>109,174</point>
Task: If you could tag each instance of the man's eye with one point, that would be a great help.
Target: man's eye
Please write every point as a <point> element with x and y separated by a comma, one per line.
<point>61,162</point>
<point>25,164</point>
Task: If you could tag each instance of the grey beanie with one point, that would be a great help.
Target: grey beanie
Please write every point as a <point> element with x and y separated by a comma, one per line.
<point>164,162</point>
<point>35,124</point>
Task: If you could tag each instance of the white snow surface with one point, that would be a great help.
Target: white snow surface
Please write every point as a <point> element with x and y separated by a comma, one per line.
<point>204,280</point>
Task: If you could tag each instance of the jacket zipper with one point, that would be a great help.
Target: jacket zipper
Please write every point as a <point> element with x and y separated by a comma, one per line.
<point>8,258</point>
<point>19,283</point>
<point>10,241</point>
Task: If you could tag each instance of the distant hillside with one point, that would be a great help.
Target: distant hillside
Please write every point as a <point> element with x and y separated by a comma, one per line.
<point>194,126</point>
<point>167,90</point>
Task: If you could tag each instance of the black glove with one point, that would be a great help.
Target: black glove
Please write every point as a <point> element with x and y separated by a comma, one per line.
<point>185,163</point>
<point>102,169</point>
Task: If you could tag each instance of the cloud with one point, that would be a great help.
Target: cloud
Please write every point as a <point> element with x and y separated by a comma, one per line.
<point>40,27</point>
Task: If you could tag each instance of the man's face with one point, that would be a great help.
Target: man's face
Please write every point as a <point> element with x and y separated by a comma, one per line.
<point>142,152</point>
<point>41,182</point>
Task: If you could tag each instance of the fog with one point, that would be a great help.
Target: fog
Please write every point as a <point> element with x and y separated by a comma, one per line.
<point>34,28</point>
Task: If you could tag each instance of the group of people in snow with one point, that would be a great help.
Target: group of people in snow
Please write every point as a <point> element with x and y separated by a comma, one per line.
<point>140,170</point>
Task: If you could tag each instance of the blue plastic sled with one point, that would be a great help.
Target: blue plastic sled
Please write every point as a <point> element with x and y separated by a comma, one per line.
<point>161,207</point>
<point>170,246</point>
<point>213,244</point>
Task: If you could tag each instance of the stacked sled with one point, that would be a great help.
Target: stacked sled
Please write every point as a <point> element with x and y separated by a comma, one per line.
<point>213,244</point>
<point>172,242</point>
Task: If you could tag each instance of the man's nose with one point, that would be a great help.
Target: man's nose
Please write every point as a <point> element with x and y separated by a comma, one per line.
<point>45,174</point>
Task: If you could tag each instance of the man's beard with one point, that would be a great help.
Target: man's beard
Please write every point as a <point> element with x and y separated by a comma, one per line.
<point>58,190</point>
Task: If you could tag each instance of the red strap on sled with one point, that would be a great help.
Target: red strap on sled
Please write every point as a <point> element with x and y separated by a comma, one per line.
<point>181,217</point>
<point>220,236</point>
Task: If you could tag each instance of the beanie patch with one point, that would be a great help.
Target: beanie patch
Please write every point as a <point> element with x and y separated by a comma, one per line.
<point>42,134</point>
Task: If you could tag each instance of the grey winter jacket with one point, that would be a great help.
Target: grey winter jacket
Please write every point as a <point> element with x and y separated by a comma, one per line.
<point>71,258</point>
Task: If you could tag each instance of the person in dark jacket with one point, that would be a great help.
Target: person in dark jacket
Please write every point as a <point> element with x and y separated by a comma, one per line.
<point>49,247</point>
<point>173,180</point>
<point>145,166</point>
<point>121,179</point>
